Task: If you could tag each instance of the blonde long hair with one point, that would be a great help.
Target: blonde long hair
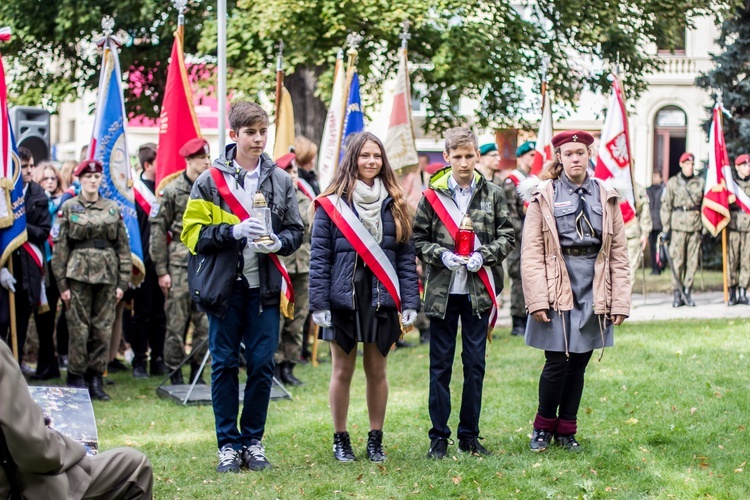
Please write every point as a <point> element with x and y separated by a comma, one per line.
<point>345,179</point>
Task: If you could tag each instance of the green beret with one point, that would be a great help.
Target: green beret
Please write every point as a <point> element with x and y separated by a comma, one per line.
<point>525,148</point>
<point>487,148</point>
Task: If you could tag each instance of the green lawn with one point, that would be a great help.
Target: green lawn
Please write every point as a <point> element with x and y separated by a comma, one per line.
<point>664,415</point>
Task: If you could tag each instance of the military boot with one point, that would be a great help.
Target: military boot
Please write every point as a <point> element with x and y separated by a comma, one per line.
<point>287,375</point>
<point>195,368</point>
<point>519,325</point>
<point>76,380</point>
<point>688,298</point>
<point>742,299</point>
<point>176,378</point>
<point>96,388</point>
<point>732,296</point>
<point>677,302</point>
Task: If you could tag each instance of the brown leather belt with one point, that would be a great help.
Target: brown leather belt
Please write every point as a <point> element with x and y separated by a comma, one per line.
<point>578,251</point>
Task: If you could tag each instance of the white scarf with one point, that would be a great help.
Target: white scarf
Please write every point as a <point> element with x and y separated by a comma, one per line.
<point>368,202</point>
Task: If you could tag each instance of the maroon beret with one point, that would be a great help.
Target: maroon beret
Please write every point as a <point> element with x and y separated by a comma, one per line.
<point>196,146</point>
<point>687,157</point>
<point>285,161</point>
<point>91,166</point>
<point>434,167</point>
<point>572,136</point>
<point>742,159</point>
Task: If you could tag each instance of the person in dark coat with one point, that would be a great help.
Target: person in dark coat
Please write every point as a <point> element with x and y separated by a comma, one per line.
<point>654,192</point>
<point>28,260</point>
<point>348,301</point>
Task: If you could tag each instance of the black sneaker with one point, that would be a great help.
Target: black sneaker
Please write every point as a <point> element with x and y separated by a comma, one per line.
<point>375,446</point>
<point>342,447</point>
<point>229,460</point>
<point>254,456</point>
<point>438,448</point>
<point>568,442</point>
<point>139,370</point>
<point>540,440</point>
<point>472,445</point>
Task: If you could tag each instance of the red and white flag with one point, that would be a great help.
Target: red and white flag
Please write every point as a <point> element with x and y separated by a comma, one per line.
<point>544,149</point>
<point>330,144</point>
<point>614,151</point>
<point>399,140</point>
<point>716,197</point>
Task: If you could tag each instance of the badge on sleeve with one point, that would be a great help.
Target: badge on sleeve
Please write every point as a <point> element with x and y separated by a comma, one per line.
<point>154,209</point>
<point>74,218</point>
<point>55,231</point>
<point>111,211</point>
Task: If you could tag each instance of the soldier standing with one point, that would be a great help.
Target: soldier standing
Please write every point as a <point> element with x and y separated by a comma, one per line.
<point>655,192</point>
<point>739,237</point>
<point>170,258</point>
<point>489,161</point>
<point>638,230</point>
<point>92,265</point>
<point>681,226</point>
<point>517,209</point>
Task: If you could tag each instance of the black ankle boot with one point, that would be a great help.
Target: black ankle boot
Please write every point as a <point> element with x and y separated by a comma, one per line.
<point>742,299</point>
<point>519,325</point>
<point>194,367</point>
<point>76,380</point>
<point>342,447</point>
<point>176,378</point>
<point>688,300</point>
<point>677,302</point>
<point>96,390</point>
<point>375,446</point>
<point>732,296</point>
<point>287,375</point>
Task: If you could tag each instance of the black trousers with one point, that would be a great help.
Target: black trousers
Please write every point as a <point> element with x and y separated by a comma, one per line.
<point>149,324</point>
<point>45,328</point>
<point>561,384</point>
<point>442,352</point>
<point>653,237</point>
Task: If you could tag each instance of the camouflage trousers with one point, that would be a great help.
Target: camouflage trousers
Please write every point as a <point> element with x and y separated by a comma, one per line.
<point>90,318</point>
<point>635,257</point>
<point>739,258</point>
<point>180,310</point>
<point>290,330</point>
<point>684,250</point>
<point>517,302</point>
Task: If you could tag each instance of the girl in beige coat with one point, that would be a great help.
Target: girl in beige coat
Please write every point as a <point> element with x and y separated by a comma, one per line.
<point>574,267</point>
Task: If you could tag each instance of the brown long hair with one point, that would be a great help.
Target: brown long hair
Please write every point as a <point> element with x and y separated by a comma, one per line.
<point>345,178</point>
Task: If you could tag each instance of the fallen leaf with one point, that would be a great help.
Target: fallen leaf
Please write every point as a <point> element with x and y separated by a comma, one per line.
<point>693,410</point>
<point>631,421</point>
<point>456,479</point>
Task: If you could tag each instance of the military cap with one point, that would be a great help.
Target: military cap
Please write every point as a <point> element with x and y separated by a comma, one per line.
<point>90,166</point>
<point>687,157</point>
<point>434,167</point>
<point>742,159</point>
<point>487,148</point>
<point>524,148</point>
<point>572,136</point>
<point>285,161</point>
<point>195,146</point>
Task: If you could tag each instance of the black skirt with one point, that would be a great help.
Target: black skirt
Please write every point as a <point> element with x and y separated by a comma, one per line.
<point>363,323</point>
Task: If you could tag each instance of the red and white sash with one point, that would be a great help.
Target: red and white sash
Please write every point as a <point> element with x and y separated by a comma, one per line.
<point>38,257</point>
<point>240,202</point>
<point>143,195</point>
<point>364,244</point>
<point>451,216</point>
<point>517,177</point>
<point>306,188</point>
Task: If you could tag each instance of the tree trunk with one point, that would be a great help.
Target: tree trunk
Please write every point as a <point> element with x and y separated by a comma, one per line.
<point>309,110</point>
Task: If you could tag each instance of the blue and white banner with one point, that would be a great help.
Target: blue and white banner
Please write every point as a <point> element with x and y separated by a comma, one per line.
<point>13,236</point>
<point>354,121</point>
<point>109,147</point>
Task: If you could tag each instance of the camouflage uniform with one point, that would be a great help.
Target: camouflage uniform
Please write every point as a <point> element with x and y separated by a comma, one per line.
<point>171,257</point>
<point>517,212</point>
<point>91,258</point>
<point>680,214</point>
<point>637,228</point>
<point>739,242</point>
<point>298,267</point>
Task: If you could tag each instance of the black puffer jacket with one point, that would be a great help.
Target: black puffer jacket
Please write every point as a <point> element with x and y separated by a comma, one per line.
<point>332,260</point>
<point>38,225</point>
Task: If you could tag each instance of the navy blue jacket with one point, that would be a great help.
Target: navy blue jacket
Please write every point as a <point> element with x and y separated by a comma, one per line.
<point>332,260</point>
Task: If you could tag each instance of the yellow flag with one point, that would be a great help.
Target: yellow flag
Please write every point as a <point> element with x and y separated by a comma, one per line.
<point>284,125</point>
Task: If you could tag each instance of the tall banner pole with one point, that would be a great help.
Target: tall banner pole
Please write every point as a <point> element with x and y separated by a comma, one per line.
<point>724,259</point>
<point>222,56</point>
<point>180,5</point>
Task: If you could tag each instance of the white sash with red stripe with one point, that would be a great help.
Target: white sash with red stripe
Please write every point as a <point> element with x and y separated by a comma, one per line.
<point>143,195</point>
<point>38,257</point>
<point>306,188</point>
<point>240,202</point>
<point>451,216</point>
<point>364,244</point>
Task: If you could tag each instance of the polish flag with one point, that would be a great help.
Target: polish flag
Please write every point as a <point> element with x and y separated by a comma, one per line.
<point>399,140</point>
<point>716,197</point>
<point>544,149</point>
<point>614,151</point>
<point>330,144</point>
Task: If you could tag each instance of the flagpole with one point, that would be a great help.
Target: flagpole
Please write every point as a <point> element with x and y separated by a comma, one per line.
<point>222,65</point>
<point>279,83</point>
<point>180,5</point>
<point>724,259</point>
<point>13,321</point>
<point>352,40</point>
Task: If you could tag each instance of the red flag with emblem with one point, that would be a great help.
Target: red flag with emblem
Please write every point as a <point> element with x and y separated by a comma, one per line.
<point>716,197</point>
<point>614,160</point>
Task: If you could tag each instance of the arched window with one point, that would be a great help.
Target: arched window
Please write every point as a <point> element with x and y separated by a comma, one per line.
<point>670,139</point>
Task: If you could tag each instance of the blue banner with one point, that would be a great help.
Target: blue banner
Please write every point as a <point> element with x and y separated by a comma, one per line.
<point>12,237</point>
<point>354,120</point>
<point>109,147</point>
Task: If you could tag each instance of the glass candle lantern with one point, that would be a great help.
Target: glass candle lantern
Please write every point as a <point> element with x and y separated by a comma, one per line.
<point>261,212</point>
<point>465,240</point>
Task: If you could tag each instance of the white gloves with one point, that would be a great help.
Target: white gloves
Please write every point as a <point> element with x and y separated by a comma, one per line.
<point>451,260</point>
<point>250,228</point>
<point>267,248</point>
<point>475,262</point>
<point>408,317</point>
<point>7,280</point>
<point>323,318</point>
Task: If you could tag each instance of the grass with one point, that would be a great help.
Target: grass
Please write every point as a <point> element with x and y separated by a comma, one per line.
<point>707,281</point>
<point>663,416</point>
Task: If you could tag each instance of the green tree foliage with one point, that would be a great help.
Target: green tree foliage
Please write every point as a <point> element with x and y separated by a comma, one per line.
<point>730,77</point>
